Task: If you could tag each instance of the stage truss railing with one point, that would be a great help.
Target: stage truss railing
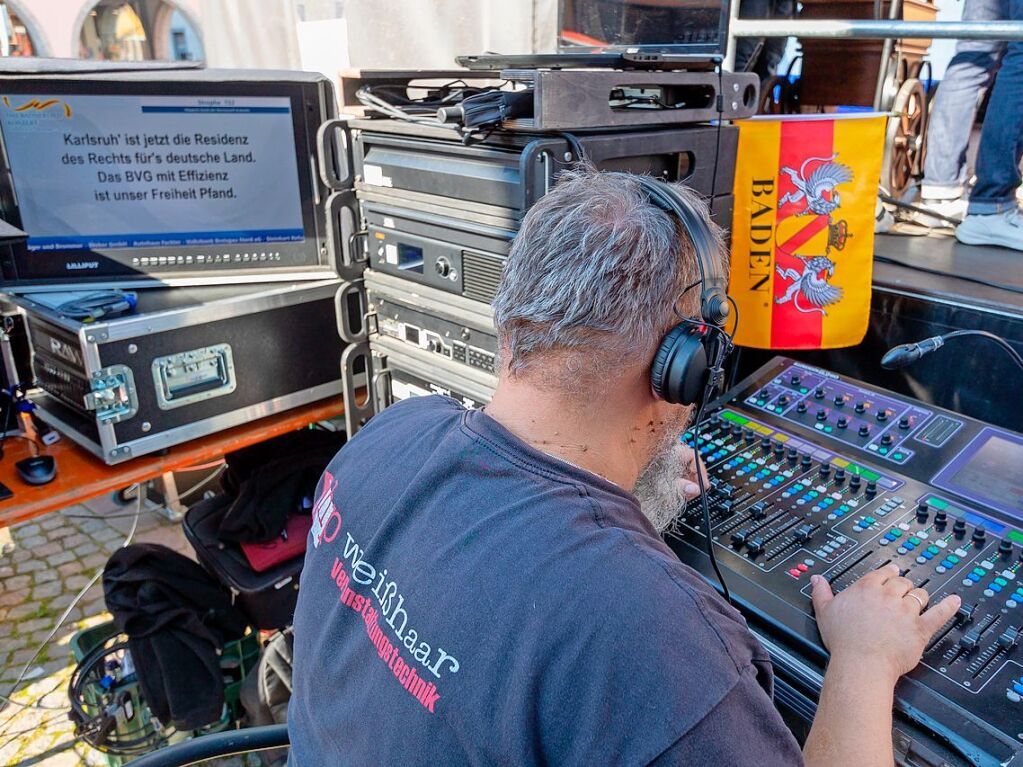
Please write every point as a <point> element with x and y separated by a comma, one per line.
<point>884,29</point>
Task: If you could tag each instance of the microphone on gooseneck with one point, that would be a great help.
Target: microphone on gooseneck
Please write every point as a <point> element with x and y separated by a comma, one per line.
<point>906,354</point>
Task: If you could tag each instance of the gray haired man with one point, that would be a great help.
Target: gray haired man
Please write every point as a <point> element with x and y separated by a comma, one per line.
<point>485,587</point>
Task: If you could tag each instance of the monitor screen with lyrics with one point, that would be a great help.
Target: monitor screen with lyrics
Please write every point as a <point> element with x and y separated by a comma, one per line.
<point>122,181</point>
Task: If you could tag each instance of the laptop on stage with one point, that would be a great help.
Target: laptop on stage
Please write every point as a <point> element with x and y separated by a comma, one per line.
<point>626,34</point>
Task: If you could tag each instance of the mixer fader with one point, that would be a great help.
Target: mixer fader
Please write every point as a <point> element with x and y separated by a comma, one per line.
<point>813,473</point>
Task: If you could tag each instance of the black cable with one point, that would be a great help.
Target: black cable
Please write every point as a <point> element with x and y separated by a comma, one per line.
<point>717,143</point>
<point>990,337</point>
<point>697,428</point>
<point>121,744</point>
<point>218,744</point>
<point>11,405</point>
<point>917,208</point>
<point>390,100</point>
<point>93,306</point>
<point>735,327</point>
<point>940,273</point>
<point>576,146</point>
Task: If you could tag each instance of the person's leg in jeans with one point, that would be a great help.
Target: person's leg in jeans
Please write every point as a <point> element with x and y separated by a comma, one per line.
<point>955,108</point>
<point>774,47</point>
<point>993,217</point>
<point>746,47</point>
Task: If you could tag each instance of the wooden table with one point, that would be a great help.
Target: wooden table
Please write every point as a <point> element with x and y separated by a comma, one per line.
<point>81,475</point>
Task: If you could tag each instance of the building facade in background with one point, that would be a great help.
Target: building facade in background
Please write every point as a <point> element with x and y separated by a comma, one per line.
<point>112,30</point>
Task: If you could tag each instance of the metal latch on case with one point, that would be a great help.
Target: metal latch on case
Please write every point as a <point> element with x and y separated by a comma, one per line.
<point>113,397</point>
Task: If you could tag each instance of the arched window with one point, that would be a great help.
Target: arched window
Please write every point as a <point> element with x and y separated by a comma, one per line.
<point>138,30</point>
<point>15,39</point>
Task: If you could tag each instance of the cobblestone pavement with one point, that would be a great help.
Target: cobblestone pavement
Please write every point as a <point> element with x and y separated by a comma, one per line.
<point>48,561</point>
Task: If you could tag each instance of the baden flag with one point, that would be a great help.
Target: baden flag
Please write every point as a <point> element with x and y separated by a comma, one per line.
<point>803,229</point>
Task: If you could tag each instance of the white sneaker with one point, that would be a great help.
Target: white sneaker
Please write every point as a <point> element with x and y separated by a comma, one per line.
<point>955,209</point>
<point>1003,229</point>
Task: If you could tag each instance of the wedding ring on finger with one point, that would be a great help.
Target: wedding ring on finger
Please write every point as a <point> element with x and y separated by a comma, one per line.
<point>918,600</point>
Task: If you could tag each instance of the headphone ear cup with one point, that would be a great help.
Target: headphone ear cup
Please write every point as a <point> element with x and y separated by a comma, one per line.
<point>680,372</point>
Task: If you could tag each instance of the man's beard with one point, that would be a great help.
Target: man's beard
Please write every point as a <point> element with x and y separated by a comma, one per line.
<point>659,487</point>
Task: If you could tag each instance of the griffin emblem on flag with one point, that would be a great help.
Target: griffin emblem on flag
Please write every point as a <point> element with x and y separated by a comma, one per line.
<point>799,277</point>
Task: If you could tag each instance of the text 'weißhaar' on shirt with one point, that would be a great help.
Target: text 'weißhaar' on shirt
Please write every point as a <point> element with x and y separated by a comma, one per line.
<point>468,599</point>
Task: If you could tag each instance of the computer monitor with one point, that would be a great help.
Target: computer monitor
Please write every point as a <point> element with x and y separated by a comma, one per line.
<point>680,27</point>
<point>163,177</point>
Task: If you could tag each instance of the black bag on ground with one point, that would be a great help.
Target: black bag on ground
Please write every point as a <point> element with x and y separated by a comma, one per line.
<point>268,598</point>
<point>177,619</point>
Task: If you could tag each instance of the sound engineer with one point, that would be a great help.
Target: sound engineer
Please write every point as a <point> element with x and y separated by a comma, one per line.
<point>489,587</point>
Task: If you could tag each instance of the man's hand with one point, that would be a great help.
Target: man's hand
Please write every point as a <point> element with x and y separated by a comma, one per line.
<point>879,622</point>
<point>692,467</point>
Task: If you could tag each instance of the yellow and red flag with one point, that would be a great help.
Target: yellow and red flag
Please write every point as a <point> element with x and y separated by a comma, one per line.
<point>803,229</point>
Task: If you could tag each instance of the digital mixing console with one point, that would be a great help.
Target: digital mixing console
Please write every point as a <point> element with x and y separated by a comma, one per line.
<point>814,473</point>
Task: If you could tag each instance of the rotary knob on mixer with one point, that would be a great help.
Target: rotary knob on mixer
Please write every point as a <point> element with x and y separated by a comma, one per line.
<point>864,431</point>
<point>842,422</point>
<point>979,536</point>
<point>854,482</point>
<point>801,407</point>
<point>871,489</point>
<point>818,393</point>
<point>805,461</point>
<point>940,519</point>
<point>860,407</point>
<point>825,470</point>
<point>959,528</point>
<point>922,511</point>
<point>839,476</point>
<point>1005,548</point>
<point>822,414</point>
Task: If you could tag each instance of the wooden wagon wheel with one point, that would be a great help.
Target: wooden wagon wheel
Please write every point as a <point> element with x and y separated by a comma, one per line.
<point>905,138</point>
<point>774,96</point>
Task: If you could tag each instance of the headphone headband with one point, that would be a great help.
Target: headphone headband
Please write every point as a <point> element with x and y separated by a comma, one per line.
<point>714,308</point>
<point>687,368</point>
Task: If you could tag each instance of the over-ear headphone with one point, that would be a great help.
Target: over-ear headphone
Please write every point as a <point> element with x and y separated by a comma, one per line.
<point>688,366</point>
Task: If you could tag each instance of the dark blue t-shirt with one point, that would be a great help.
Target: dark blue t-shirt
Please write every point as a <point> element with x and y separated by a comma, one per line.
<point>468,599</point>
